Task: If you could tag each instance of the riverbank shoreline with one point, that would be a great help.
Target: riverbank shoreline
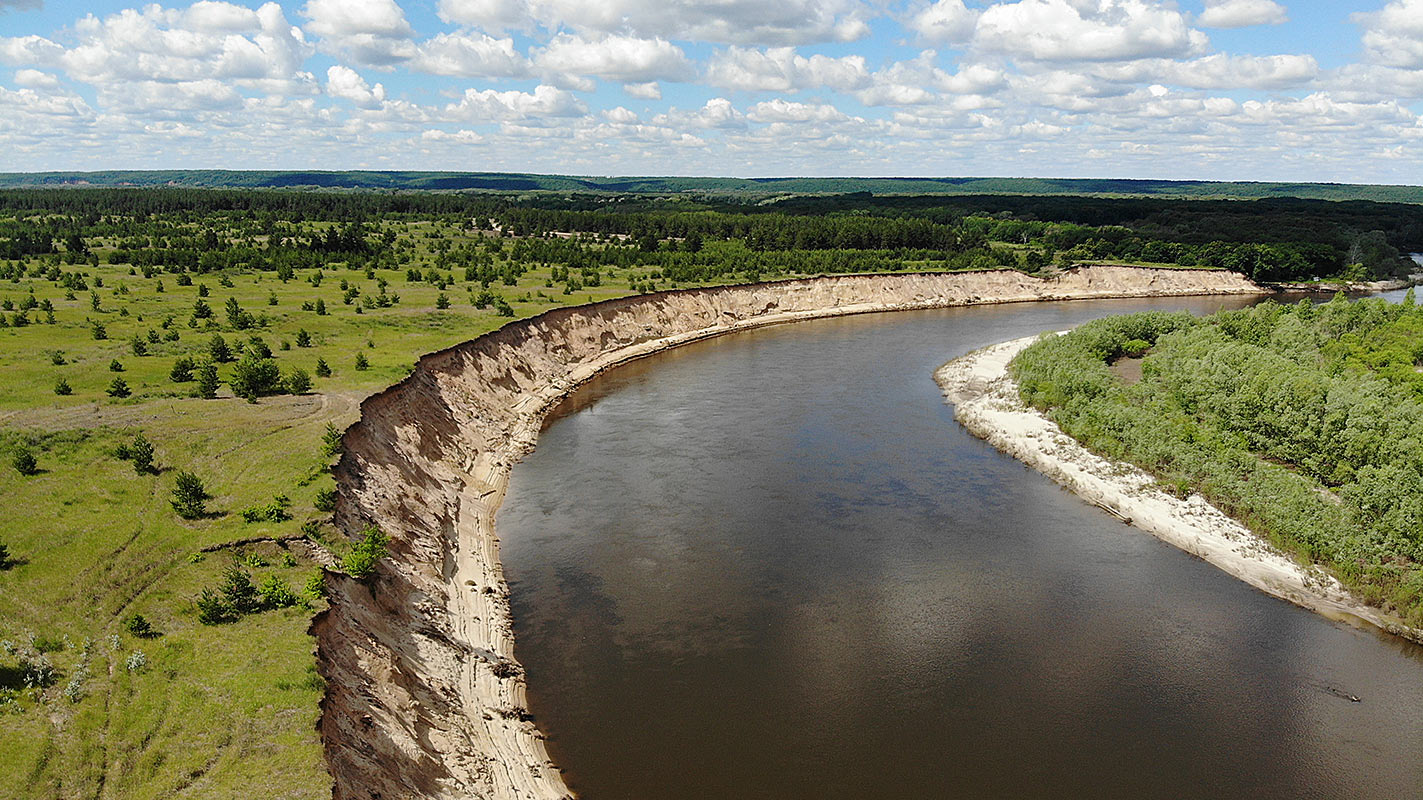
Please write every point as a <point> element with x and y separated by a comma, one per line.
<point>424,695</point>
<point>986,402</point>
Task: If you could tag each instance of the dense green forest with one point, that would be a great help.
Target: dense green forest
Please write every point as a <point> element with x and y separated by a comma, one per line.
<point>406,180</point>
<point>1305,422</point>
<point>680,239</point>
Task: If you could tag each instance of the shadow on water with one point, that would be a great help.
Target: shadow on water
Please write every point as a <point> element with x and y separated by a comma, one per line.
<point>770,565</point>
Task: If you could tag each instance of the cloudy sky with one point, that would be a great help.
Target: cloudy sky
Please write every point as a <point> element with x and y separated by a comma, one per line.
<point>1220,89</point>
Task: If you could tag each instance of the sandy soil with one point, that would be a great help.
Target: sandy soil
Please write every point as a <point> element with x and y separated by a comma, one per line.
<point>986,402</point>
<point>424,697</point>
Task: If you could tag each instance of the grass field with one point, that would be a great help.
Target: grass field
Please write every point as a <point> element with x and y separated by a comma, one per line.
<point>213,710</point>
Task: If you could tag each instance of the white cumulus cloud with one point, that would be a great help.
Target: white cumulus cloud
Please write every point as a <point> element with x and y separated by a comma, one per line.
<point>786,22</point>
<point>1086,30</point>
<point>781,69</point>
<point>1242,13</point>
<point>347,84</point>
<point>617,58</point>
<point>371,32</point>
<point>1393,35</point>
<point>469,55</point>
<point>489,105</point>
<point>946,21</point>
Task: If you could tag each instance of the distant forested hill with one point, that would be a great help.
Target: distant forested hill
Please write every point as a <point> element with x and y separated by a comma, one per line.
<point>518,182</point>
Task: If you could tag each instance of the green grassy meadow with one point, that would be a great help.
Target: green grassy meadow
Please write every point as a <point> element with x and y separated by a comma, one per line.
<point>215,710</point>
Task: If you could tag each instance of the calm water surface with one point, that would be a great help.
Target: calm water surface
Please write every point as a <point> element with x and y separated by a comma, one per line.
<point>771,565</point>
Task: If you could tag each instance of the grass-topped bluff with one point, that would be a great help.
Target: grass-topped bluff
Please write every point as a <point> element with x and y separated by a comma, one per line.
<point>177,363</point>
<point>1304,422</point>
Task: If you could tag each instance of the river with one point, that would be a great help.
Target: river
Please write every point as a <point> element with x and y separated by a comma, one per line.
<point>771,565</point>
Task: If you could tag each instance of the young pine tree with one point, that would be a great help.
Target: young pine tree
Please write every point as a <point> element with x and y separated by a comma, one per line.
<point>141,453</point>
<point>189,496</point>
<point>207,381</point>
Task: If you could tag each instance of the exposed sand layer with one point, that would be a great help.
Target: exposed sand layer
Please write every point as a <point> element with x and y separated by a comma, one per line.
<point>987,403</point>
<point>424,698</point>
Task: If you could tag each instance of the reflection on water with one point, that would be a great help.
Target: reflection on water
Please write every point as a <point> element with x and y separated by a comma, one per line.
<point>770,565</point>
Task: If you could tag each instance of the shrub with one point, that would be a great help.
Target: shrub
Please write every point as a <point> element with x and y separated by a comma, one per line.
<point>276,593</point>
<point>182,370</point>
<point>236,317</point>
<point>189,496</point>
<point>138,345</point>
<point>303,339</point>
<point>98,331</point>
<point>218,349</point>
<point>1135,347</point>
<point>24,461</point>
<point>140,627</point>
<point>298,382</point>
<point>116,365</point>
<point>326,500</point>
<point>275,511</point>
<point>56,357</point>
<point>323,370</point>
<point>442,301</point>
<point>141,453</point>
<point>238,592</point>
<point>320,307</point>
<point>256,346</point>
<point>315,587</point>
<point>4,556</point>
<point>361,562</point>
<point>207,381</point>
<point>119,388</point>
<point>361,363</point>
<point>212,610</point>
<point>255,376</point>
<point>136,661</point>
<point>331,440</point>
<point>62,387</point>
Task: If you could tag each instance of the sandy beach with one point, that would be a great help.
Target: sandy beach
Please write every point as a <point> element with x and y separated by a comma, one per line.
<point>986,401</point>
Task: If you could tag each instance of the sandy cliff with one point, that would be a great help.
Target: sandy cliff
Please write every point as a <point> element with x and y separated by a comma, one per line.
<point>424,698</point>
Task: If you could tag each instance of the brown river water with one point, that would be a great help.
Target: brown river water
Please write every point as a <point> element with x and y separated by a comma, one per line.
<point>771,565</point>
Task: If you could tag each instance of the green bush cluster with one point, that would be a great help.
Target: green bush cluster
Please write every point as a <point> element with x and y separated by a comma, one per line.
<point>1288,418</point>
<point>237,596</point>
<point>360,563</point>
<point>275,511</point>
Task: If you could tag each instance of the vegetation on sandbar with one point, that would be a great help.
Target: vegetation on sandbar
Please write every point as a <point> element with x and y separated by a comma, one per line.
<point>1304,422</point>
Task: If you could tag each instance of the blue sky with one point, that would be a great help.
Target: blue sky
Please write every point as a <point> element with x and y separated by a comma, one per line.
<point>1214,89</point>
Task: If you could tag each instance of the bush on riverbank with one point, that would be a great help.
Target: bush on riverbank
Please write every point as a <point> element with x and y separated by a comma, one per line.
<point>1304,422</point>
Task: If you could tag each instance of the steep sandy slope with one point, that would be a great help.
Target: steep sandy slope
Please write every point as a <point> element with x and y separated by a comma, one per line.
<point>424,697</point>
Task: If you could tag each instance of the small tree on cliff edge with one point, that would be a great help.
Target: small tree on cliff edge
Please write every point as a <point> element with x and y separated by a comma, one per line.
<point>360,563</point>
